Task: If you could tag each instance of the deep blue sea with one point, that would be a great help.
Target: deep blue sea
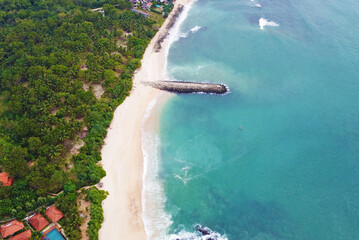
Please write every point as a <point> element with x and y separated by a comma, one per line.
<point>278,157</point>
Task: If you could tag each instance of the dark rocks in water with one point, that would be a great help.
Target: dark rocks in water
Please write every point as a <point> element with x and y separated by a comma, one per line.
<point>188,87</point>
<point>203,231</point>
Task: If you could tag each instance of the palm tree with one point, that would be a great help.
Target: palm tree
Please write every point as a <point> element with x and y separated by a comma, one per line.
<point>55,152</point>
<point>62,135</point>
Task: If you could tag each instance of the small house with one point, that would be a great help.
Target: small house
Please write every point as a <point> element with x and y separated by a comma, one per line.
<point>22,236</point>
<point>5,179</point>
<point>10,228</point>
<point>38,221</point>
<point>54,214</point>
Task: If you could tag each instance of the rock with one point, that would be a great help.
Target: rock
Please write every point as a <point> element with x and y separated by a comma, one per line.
<point>203,231</point>
<point>188,87</point>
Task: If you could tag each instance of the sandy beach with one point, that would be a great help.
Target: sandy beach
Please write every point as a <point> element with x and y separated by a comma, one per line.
<point>122,156</point>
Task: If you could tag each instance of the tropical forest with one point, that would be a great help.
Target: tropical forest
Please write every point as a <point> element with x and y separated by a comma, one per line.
<point>65,66</point>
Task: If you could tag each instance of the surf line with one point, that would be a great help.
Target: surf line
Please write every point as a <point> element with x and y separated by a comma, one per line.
<point>171,23</point>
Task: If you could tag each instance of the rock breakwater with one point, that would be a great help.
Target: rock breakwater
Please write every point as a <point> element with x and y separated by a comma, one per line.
<point>188,87</point>
<point>170,24</point>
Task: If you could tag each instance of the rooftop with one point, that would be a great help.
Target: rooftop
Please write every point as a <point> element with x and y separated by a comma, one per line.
<point>38,222</point>
<point>54,214</point>
<point>10,228</point>
<point>5,179</point>
<point>22,236</point>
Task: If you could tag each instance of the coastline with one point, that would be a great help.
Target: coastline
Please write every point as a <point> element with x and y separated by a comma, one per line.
<point>122,155</point>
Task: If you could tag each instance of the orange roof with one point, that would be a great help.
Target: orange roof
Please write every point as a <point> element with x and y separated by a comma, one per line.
<point>54,214</point>
<point>38,222</point>
<point>5,179</point>
<point>10,228</point>
<point>22,236</point>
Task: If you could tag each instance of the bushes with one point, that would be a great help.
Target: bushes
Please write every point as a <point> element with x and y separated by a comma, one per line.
<point>155,11</point>
<point>96,197</point>
<point>67,204</point>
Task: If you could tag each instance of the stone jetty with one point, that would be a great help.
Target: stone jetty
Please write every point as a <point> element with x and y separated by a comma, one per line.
<point>188,87</point>
<point>177,12</point>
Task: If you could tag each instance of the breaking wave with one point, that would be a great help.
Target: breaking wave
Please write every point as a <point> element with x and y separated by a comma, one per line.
<point>175,34</point>
<point>195,28</point>
<point>256,4</point>
<point>264,23</point>
<point>202,233</point>
<point>155,219</point>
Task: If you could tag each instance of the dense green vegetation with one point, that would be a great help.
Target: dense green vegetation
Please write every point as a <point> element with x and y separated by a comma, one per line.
<point>53,54</point>
<point>96,197</point>
<point>167,8</point>
<point>67,203</point>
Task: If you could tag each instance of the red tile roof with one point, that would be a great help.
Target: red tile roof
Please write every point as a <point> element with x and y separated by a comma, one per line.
<point>54,214</point>
<point>5,179</point>
<point>38,222</point>
<point>10,228</point>
<point>22,236</point>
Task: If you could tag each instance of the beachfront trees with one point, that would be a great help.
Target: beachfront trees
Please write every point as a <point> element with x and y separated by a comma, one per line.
<point>51,57</point>
<point>96,197</point>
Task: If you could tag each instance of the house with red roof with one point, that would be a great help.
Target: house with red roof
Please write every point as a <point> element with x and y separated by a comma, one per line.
<point>5,179</point>
<point>38,221</point>
<point>22,236</point>
<point>10,228</point>
<point>54,214</point>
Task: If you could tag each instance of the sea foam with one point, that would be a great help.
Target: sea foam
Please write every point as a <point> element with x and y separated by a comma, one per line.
<point>264,22</point>
<point>175,34</point>
<point>256,4</point>
<point>195,28</point>
<point>156,220</point>
<point>196,235</point>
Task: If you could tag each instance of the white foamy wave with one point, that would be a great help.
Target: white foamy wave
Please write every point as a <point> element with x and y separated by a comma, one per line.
<point>264,22</point>
<point>209,235</point>
<point>184,35</point>
<point>155,219</point>
<point>175,34</point>
<point>256,4</point>
<point>195,28</point>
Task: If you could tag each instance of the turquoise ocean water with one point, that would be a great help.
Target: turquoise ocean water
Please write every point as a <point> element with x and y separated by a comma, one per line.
<point>278,157</point>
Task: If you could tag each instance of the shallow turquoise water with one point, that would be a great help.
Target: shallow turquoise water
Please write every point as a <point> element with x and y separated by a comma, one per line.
<point>278,158</point>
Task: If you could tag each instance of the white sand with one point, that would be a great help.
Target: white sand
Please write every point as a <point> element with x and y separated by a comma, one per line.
<point>122,156</point>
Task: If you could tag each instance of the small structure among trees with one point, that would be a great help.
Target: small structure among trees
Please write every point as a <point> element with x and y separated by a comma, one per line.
<point>38,221</point>
<point>10,228</point>
<point>5,180</point>
<point>54,214</point>
<point>22,236</point>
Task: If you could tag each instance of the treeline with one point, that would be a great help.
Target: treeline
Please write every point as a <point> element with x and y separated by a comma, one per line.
<point>36,6</point>
<point>96,197</point>
<point>52,53</point>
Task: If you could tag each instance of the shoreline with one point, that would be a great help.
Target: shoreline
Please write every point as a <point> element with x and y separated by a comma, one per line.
<point>122,154</point>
